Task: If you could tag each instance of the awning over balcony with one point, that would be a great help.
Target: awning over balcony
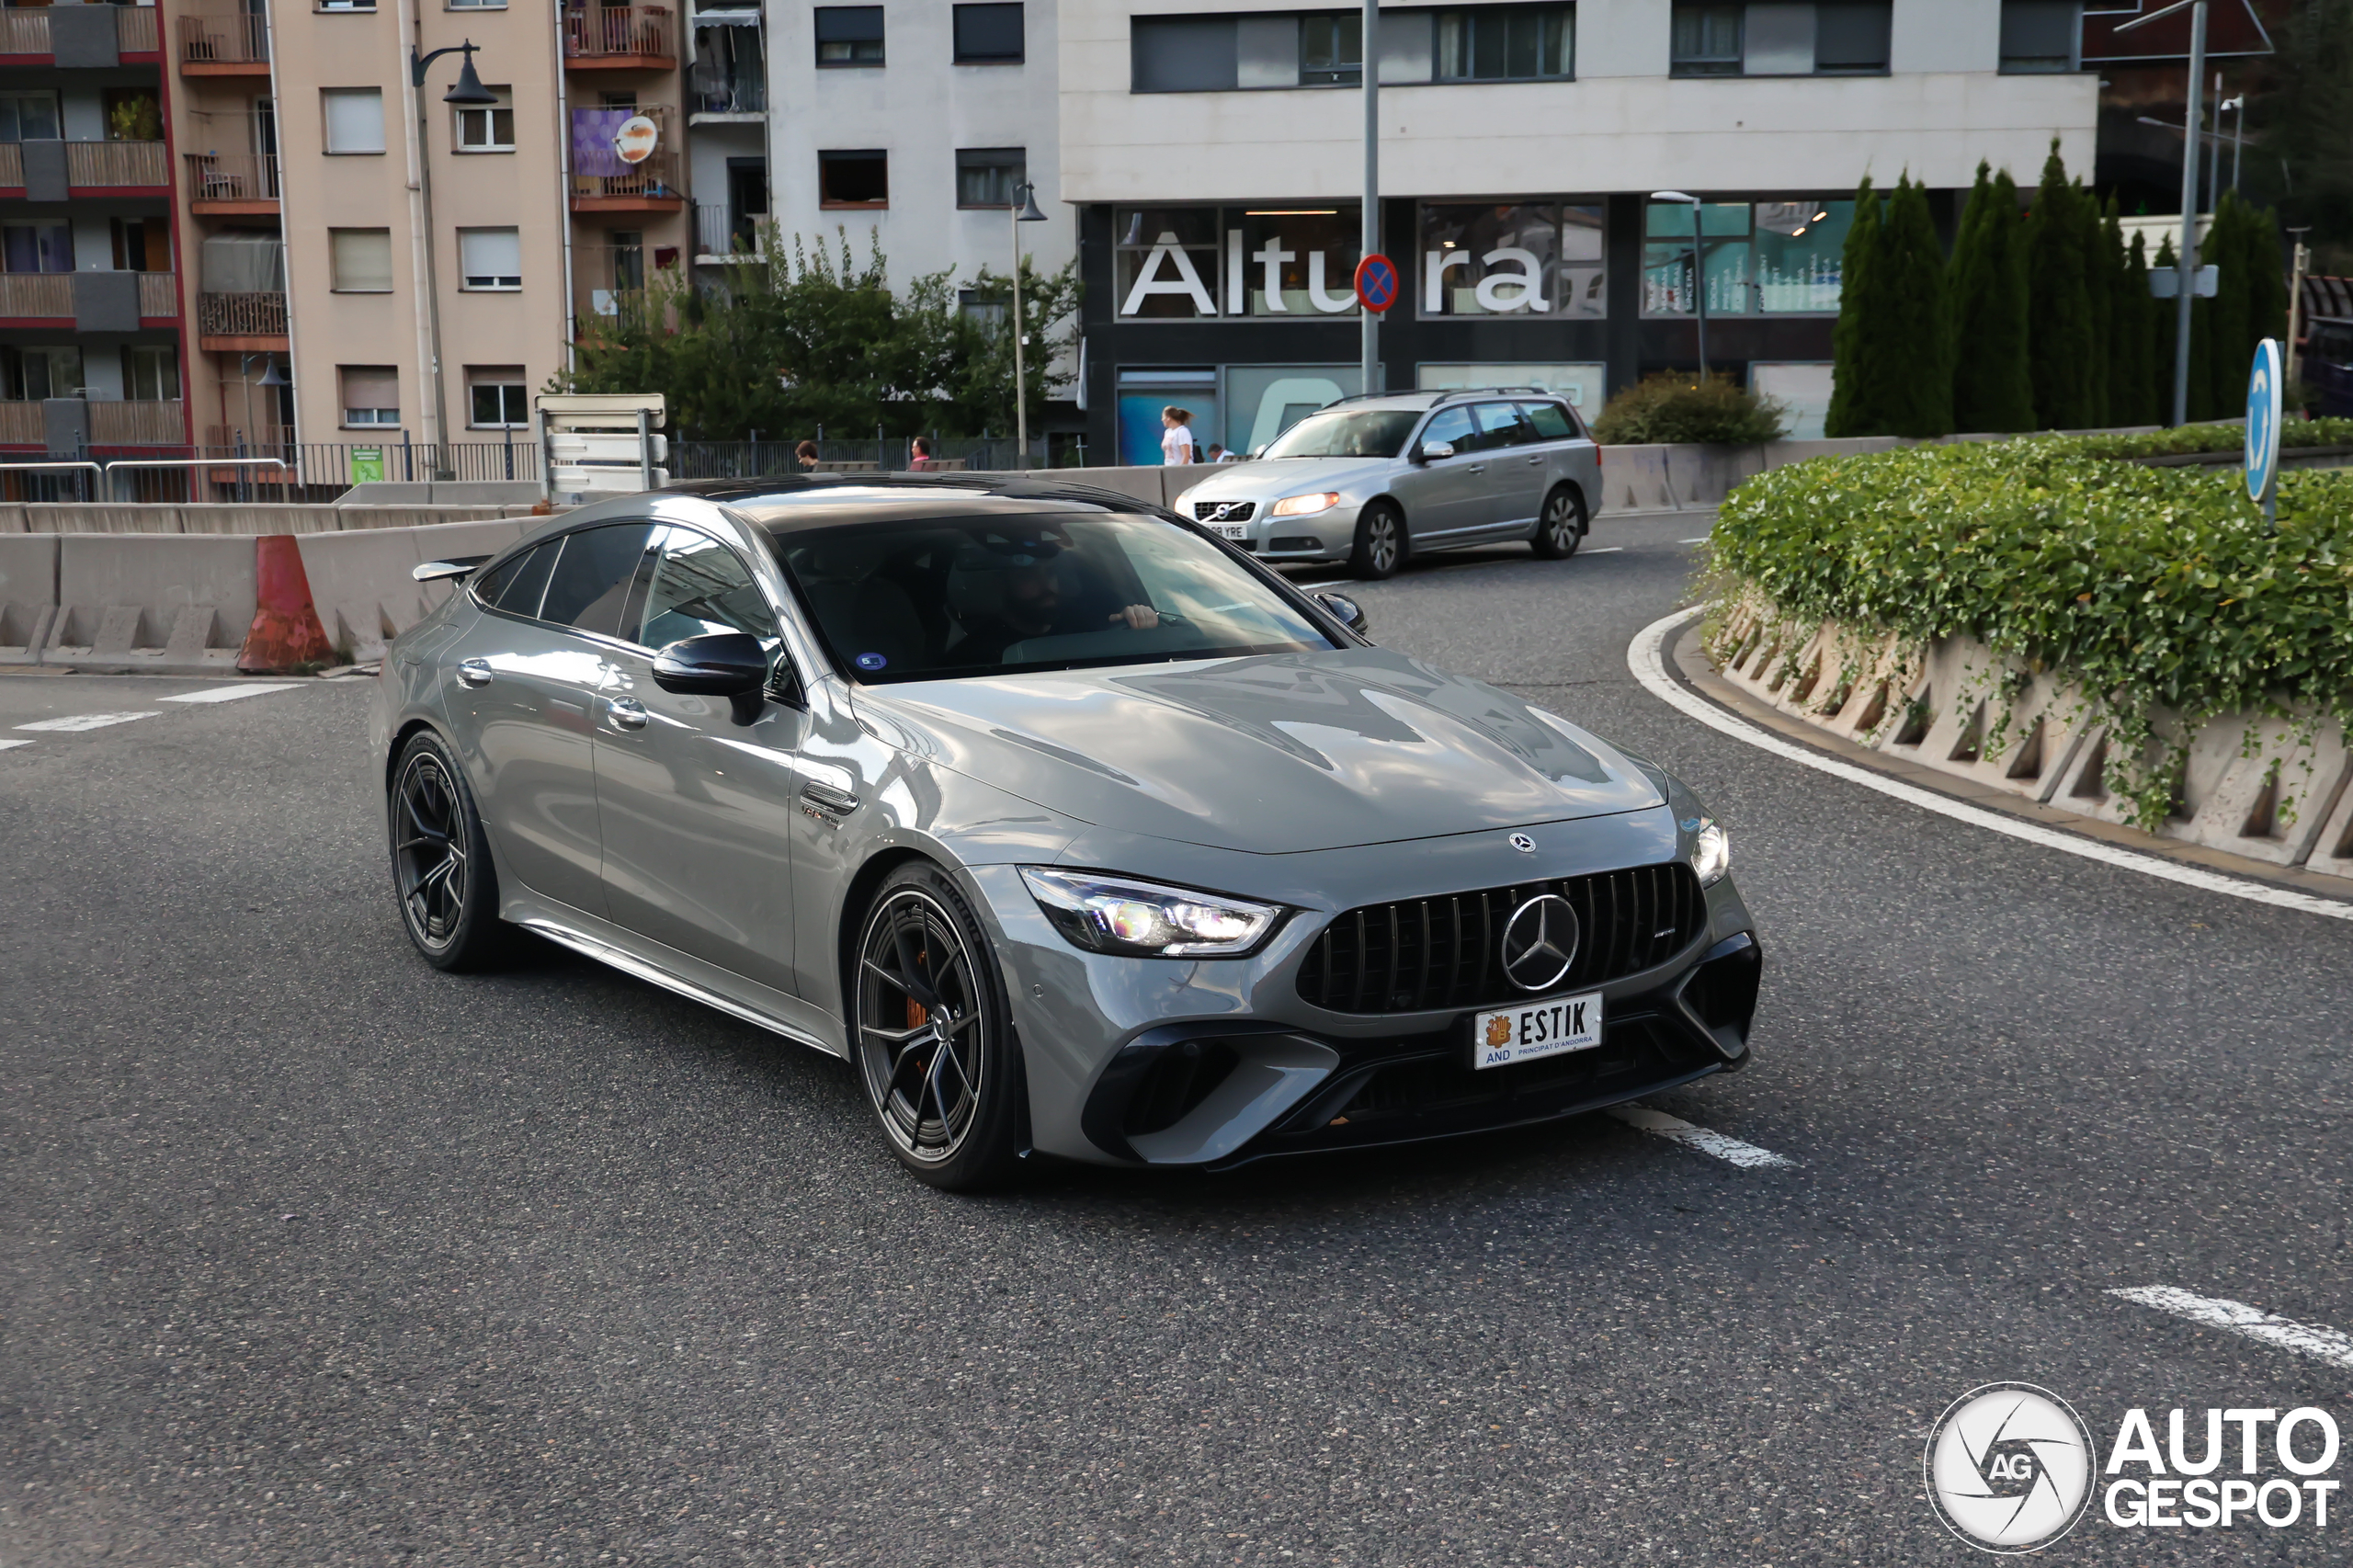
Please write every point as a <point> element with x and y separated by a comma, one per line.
<point>241,262</point>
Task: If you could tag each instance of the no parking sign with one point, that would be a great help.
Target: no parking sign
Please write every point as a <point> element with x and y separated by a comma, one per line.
<point>1376,282</point>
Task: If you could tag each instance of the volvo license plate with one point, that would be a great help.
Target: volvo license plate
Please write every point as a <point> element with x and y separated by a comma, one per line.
<point>1554,1027</point>
<point>1231,531</point>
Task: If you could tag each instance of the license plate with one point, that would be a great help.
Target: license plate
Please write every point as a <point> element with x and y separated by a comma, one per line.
<point>1554,1027</point>
<point>1231,531</point>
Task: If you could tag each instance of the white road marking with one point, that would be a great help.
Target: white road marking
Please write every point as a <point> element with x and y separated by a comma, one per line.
<point>89,721</point>
<point>1676,1130</point>
<point>1605,549</point>
<point>231,693</point>
<point>2214,1311</point>
<point>1701,539</point>
<point>1646,657</point>
<point>7,744</point>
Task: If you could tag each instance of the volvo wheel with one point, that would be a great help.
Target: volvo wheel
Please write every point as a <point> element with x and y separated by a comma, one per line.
<point>934,1045</point>
<point>441,868</point>
<point>1381,541</point>
<point>1559,528</point>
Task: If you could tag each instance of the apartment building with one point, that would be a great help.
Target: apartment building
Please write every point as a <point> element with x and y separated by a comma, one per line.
<point>92,319</point>
<point>1214,159</point>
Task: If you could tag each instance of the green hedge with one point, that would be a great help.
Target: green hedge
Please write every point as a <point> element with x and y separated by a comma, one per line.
<point>2151,587</point>
<point>2213,438</point>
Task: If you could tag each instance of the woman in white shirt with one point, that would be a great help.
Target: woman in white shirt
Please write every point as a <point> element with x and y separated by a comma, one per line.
<point>1176,445</point>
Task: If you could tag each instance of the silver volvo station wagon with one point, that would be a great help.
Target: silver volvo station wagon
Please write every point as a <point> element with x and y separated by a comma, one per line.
<point>1371,481</point>
<point>1071,827</point>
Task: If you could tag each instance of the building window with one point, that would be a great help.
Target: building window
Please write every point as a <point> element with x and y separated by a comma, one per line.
<point>477,4</point>
<point>488,128</point>
<point>28,116</point>
<point>142,244</point>
<point>1851,40</point>
<point>989,310</point>
<point>986,177</point>
<point>499,399</point>
<point>32,374</point>
<point>372,394</point>
<point>362,260</point>
<point>1165,263</point>
<point>1707,41</point>
<point>491,258</point>
<point>151,372</point>
<point>2041,35</point>
<point>989,35</point>
<point>854,179</point>
<point>355,118</point>
<point>849,35</point>
<point>628,260</point>
<point>1769,258</point>
<point>1512,258</point>
<point>1331,50</point>
<point>42,246</point>
<point>1506,43</point>
<point>343,6</point>
<point>1182,54</point>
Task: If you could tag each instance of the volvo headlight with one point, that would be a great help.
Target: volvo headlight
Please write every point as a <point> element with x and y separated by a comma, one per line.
<point>1306,506</point>
<point>1711,852</point>
<point>1115,915</point>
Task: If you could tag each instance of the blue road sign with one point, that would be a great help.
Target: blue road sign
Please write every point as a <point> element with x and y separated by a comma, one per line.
<point>1376,282</point>
<point>2263,421</point>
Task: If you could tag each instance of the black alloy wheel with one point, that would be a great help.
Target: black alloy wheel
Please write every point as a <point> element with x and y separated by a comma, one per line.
<point>934,1046</point>
<point>441,869</point>
<point>1559,528</point>
<point>1381,541</point>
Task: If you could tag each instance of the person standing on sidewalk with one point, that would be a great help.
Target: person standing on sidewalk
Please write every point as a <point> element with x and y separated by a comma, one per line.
<point>1177,444</point>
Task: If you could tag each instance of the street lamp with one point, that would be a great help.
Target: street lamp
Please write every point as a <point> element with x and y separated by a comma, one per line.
<point>269,378</point>
<point>1026,212</point>
<point>468,92</point>
<point>1699,274</point>
<point>2185,253</point>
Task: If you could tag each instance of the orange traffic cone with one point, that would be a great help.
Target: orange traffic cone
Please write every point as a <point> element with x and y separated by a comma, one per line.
<point>286,630</point>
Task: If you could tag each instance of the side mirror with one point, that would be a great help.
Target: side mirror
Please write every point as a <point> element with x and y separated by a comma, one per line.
<point>1346,611</point>
<point>718,664</point>
<point>1430,452</point>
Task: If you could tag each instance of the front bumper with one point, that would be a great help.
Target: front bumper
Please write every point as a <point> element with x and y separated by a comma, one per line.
<point>1327,536</point>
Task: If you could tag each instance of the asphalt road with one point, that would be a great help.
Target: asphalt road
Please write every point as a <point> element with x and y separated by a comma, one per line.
<point>310,1254</point>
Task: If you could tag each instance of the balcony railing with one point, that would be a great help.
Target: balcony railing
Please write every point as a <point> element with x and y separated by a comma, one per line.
<point>224,40</point>
<point>24,30</point>
<point>232,176</point>
<point>241,315</point>
<point>159,293</point>
<point>619,32</point>
<point>720,230</point>
<point>93,165</point>
<point>37,294</point>
<point>720,92</point>
<point>657,179</point>
<point>135,31</point>
<point>12,164</point>
<point>138,423</point>
<point>21,425</point>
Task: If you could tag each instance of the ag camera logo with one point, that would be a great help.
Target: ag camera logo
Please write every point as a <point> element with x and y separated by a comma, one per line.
<point>2009,1467</point>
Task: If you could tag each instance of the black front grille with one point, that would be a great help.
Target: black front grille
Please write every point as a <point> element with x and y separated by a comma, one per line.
<point>1223,511</point>
<point>1446,951</point>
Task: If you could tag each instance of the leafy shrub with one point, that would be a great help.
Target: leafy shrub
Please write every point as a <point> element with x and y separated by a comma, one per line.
<point>1673,407</point>
<point>2148,587</point>
<point>2185,438</point>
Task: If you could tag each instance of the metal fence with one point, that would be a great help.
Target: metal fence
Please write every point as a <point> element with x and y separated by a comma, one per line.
<point>888,454</point>
<point>313,471</point>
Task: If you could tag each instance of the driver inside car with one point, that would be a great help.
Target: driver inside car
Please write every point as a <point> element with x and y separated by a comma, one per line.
<point>1035,598</point>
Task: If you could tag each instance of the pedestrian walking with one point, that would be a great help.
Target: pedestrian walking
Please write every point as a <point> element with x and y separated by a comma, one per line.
<point>805,454</point>
<point>921,461</point>
<point>1177,444</point>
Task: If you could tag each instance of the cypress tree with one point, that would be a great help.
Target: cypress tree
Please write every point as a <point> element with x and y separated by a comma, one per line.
<point>2167,337</point>
<point>2059,343</point>
<point>2132,363</point>
<point>1852,352</point>
<point>1911,328</point>
<point>2267,296</point>
<point>1993,387</point>
<point>2099,293</point>
<point>2233,345</point>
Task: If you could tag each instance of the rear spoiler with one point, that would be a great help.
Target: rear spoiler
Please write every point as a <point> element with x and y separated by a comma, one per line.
<point>443,571</point>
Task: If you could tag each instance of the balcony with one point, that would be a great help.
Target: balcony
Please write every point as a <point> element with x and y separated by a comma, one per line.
<point>723,236</point>
<point>127,424</point>
<point>242,323</point>
<point>27,36</point>
<point>649,187</point>
<point>224,46</point>
<point>117,165</point>
<point>620,37</point>
<point>725,95</point>
<point>50,298</point>
<point>159,295</point>
<point>12,166</point>
<point>233,184</point>
<point>35,296</point>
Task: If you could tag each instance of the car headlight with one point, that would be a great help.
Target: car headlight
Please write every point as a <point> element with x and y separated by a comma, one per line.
<point>1711,852</point>
<point>1306,506</point>
<point>1115,915</point>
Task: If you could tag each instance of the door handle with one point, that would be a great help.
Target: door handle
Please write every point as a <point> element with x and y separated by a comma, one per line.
<point>832,802</point>
<point>1476,468</point>
<point>475,671</point>
<point>1536,462</point>
<point>626,712</point>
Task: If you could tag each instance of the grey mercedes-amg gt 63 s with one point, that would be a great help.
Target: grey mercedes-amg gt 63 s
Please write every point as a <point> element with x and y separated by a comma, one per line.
<point>1071,826</point>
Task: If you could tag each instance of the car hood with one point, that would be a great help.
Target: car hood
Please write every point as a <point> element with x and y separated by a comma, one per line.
<point>1273,478</point>
<point>1267,754</point>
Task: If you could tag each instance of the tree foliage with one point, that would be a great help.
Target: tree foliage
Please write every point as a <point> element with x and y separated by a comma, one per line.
<point>1672,406</point>
<point>1853,348</point>
<point>2059,327</point>
<point>1992,389</point>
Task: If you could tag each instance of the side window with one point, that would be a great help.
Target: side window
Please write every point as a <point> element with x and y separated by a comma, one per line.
<point>700,587</point>
<point>1551,421</point>
<point>522,579</point>
<point>592,577</point>
<point>1501,425</point>
<point>1452,426</point>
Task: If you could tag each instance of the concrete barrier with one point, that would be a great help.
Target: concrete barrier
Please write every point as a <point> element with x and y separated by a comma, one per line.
<point>27,596</point>
<point>176,604</point>
<point>522,493</point>
<point>360,581</point>
<point>12,517</point>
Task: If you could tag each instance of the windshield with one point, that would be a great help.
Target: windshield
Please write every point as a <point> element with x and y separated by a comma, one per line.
<point>1348,432</point>
<point>930,599</point>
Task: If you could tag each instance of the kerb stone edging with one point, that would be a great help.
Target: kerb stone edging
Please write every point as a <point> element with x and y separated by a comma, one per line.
<point>2256,787</point>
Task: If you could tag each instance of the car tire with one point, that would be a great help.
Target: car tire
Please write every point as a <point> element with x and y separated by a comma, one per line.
<point>1380,542</point>
<point>953,1103</point>
<point>442,875</point>
<point>1559,528</point>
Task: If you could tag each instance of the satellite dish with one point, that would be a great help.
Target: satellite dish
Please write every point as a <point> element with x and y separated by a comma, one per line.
<point>635,139</point>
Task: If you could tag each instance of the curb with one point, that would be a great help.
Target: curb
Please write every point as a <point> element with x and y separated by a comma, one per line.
<point>1690,667</point>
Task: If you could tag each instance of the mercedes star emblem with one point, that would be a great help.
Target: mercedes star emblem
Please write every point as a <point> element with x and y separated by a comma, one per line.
<point>1524,843</point>
<point>1539,942</point>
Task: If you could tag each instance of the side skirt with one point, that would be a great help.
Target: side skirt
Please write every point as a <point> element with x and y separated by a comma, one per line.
<point>643,969</point>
